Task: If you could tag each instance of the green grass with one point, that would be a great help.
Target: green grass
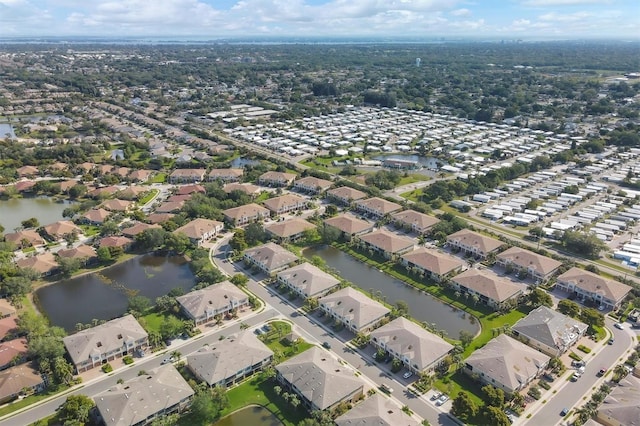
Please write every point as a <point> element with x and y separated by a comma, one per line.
<point>412,195</point>
<point>158,178</point>
<point>459,382</point>
<point>153,321</point>
<point>601,332</point>
<point>405,180</point>
<point>264,195</point>
<point>18,404</point>
<point>90,230</point>
<point>148,196</point>
<point>259,391</point>
<point>274,339</point>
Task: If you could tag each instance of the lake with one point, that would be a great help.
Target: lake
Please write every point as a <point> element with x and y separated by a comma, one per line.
<point>104,295</point>
<point>428,162</point>
<point>14,210</point>
<point>240,162</point>
<point>6,130</point>
<point>254,415</point>
<point>422,306</point>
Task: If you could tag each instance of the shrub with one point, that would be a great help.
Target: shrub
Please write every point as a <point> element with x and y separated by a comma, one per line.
<point>584,349</point>
<point>544,384</point>
<point>534,392</point>
<point>574,356</point>
<point>107,368</point>
<point>128,359</point>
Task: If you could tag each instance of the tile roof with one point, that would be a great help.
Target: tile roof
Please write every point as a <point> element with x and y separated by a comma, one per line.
<point>528,259</point>
<point>387,241</point>
<point>419,220</point>
<point>351,304</point>
<point>287,228</point>
<point>488,284</point>
<point>211,298</point>
<point>433,260</point>
<point>595,284</point>
<point>470,238</point>
<point>349,223</point>
<point>309,278</point>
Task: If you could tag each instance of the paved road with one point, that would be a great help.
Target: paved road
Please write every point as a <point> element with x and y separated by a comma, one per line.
<point>92,388</point>
<point>374,373</point>
<point>570,393</point>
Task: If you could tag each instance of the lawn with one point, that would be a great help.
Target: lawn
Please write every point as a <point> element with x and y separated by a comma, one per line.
<point>32,399</point>
<point>274,339</point>
<point>153,321</point>
<point>458,382</point>
<point>412,195</point>
<point>158,178</point>
<point>90,230</point>
<point>148,196</point>
<point>260,391</point>
<point>413,179</point>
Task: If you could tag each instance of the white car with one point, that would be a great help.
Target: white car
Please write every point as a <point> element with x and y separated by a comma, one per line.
<point>619,326</point>
<point>407,374</point>
<point>442,400</point>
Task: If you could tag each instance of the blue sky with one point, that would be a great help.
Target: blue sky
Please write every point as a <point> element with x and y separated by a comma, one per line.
<point>506,19</point>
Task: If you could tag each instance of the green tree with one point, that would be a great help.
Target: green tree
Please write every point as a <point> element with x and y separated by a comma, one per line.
<point>178,243</point>
<point>569,308</point>
<point>207,405</point>
<point>16,286</point>
<point>138,305</point>
<point>538,297</point>
<point>238,242</point>
<point>493,396</point>
<point>240,280</point>
<point>466,337</point>
<point>255,234</point>
<point>592,317</point>
<point>68,266</point>
<point>463,407</point>
<point>104,254</point>
<point>30,223</point>
<point>494,416</point>
<point>76,409</point>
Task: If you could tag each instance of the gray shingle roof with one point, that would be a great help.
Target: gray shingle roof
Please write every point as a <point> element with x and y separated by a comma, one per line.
<point>225,358</point>
<point>319,377</point>
<point>133,401</point>
<point>549,327</point>
<point>376,411</point>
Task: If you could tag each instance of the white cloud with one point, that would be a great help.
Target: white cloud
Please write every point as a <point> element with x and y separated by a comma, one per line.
<point>570,17</point>
<point>461,12</point>
<point>547,3</point>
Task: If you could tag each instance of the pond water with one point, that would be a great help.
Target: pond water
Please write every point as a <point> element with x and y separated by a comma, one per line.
<point>104,294</point>
<point>250,416</point>
<point>15,210</point>
<point>6,130</point>
<point>241,162</point>
<point>422,306</point>
<point>428,162</point>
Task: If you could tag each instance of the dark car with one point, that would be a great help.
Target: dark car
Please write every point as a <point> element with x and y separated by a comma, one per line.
<point>326,345</point>
<point>602,371</point>
<point>564,412</point>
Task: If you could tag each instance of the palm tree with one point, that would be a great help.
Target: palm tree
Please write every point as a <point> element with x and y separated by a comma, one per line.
<point>619,373</point>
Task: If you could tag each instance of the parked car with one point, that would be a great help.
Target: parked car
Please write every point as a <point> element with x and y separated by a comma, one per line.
<point>611,341</point>
<point>266,327</point>
<point>577,364</point>
<point>564,412</point>
<point>602,371</point>
<point>386,389</point>
<point>619,326</point>
<point>168,360</point>
<point>575,376</point>
<point>442,400</point>
<point>407,374</point>
<point>257,331</point>
<point>436,396</point>
<point>581,369</point>
<point>326,345</point>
